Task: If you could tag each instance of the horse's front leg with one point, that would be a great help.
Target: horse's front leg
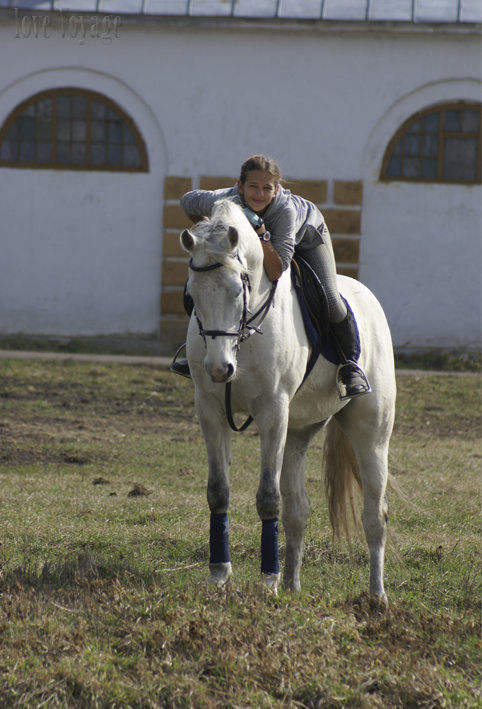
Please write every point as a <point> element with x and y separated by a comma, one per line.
<point>272,426</point>
<point>296,505</point>
<point>217,436</point>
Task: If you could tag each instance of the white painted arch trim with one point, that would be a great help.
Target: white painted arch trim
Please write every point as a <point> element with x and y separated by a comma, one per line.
<point>92,80</point>
<point>417,100</point>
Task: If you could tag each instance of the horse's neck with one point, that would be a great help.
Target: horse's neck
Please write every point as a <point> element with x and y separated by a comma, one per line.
<point>259,282</point>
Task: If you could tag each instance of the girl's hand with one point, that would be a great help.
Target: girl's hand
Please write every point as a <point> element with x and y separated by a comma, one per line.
<point>195,218</point>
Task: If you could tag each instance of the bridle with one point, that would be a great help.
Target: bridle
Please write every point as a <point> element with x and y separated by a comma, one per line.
<point>245,329</point>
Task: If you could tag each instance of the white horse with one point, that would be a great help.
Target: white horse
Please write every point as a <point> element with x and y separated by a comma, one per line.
<point>250,335</point>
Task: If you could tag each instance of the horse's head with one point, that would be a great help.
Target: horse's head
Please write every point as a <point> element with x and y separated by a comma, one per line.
<point>219,285</point>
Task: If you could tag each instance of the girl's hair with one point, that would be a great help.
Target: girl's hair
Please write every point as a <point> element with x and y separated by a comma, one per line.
<point>260,162</point>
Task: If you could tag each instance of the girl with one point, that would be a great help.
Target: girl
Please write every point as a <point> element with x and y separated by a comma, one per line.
<point>283,222</point>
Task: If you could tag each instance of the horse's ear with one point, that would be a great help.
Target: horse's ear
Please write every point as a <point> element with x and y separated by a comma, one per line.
<point>187,240</point>
<point>233,237</point>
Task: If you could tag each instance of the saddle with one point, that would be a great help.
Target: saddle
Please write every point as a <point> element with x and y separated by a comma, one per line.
<point>315,311</point>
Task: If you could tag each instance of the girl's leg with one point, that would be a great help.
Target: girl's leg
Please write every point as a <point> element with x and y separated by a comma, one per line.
<point>322,260</point>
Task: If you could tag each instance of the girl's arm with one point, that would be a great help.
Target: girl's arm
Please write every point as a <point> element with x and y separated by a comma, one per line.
<point>195,218</point>
<point>272,263</point>
<point>282,226</point>
<point>199,203</point>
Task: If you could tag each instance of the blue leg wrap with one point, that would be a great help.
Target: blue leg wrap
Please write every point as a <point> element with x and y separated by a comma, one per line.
<point>219,538</point>
<point>269,547</point>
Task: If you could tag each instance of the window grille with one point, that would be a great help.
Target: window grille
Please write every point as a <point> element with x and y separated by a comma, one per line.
<point>439,144</point>
<point>71,129</point>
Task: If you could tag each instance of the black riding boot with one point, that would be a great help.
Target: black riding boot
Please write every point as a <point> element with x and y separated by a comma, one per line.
<point>351,374</point>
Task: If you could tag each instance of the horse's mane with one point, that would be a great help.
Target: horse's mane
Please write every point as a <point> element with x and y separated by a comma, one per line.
<point>226,213</point>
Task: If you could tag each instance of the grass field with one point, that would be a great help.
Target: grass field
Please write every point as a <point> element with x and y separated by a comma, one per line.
<point>103,557</point>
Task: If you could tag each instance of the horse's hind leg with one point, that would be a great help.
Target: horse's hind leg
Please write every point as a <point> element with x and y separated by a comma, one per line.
<point>369,436</point>
<point>295,502</point>
<point>375,516</point>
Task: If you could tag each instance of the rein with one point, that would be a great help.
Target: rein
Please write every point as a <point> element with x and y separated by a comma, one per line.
<point>243,333</point>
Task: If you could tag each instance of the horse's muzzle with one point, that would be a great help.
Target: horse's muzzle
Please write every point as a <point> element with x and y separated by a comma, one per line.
<point>221,373</point>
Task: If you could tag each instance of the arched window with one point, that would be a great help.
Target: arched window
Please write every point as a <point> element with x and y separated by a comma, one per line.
<point>439,144</point>
<point>71,129</point>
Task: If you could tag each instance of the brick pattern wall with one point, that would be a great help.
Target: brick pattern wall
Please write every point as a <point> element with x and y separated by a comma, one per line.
<point>340,201</point>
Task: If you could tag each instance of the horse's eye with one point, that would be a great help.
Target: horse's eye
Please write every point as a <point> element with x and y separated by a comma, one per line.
<point>236,294</point>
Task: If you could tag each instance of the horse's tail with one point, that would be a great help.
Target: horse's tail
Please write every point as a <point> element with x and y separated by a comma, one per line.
<point>342,481</point>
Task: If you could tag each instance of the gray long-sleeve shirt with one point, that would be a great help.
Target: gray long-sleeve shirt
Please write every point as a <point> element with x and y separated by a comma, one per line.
<point>291,220</point>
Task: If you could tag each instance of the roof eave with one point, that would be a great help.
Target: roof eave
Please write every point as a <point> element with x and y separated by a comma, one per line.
<point>272,24</point>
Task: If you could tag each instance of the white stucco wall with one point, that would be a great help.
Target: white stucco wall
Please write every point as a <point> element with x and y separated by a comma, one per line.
<point>324,103</point>
<point>81,251</point>
<point>422,252</point>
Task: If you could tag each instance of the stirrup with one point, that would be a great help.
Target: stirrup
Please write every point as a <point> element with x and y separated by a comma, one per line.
<point>342,389</point>
<point>180,367</point>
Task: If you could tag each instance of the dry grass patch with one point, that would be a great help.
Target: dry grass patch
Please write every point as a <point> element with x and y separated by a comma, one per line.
<point>103,597</point>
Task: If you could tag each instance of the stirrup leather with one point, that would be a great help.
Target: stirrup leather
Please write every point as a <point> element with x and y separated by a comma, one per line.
<point>342,393</point>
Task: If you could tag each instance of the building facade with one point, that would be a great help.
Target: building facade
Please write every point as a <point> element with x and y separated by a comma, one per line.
<point>372,110</point>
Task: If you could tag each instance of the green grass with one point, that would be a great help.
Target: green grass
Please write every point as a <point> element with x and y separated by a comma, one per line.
<point>103,594</point>
<point>439,360</point>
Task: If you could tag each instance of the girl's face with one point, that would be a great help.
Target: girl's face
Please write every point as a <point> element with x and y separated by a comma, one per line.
<point>258,190</point>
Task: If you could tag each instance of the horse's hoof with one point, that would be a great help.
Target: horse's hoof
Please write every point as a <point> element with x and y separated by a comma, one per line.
<point>219,574</point>
<point>271,582</point>
<point>293,586</point>
<point>379,601</point>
